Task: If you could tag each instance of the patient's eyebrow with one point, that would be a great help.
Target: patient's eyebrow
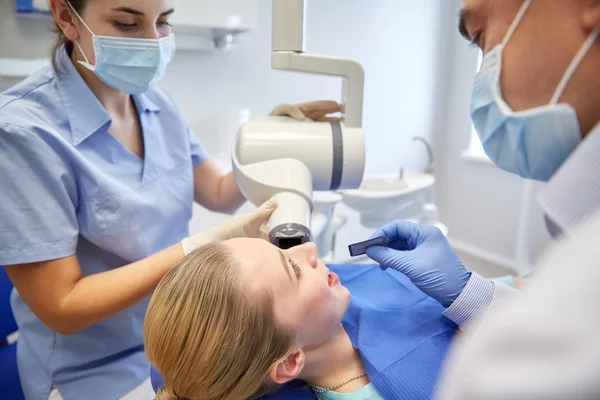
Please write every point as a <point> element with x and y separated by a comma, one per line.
<point>285,265</point>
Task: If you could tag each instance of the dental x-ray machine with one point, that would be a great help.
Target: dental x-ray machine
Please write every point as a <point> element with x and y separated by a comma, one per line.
<point>288,159</point>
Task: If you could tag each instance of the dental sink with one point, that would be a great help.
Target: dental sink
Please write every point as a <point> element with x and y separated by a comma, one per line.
<point>378,186</point>
<point>382,199</point>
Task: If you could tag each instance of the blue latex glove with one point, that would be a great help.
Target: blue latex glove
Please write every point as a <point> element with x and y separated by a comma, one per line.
<point>422,253</point>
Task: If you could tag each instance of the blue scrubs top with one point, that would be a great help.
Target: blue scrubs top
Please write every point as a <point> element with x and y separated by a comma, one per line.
<point>69,187</point>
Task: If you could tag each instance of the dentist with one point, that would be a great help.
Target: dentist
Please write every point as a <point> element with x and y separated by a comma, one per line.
<point>536,107</point>
<point>98,176</point>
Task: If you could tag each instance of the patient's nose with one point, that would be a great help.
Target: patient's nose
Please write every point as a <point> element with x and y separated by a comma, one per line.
<point>306,252</point>
<point>310,250</point>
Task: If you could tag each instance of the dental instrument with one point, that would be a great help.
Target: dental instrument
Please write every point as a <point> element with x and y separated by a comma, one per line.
<point>360,248</point>
<point>288,159</point>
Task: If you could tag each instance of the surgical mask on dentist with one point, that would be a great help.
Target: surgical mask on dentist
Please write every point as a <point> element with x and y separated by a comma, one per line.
<point>533,143</point>
<point>129,65</point>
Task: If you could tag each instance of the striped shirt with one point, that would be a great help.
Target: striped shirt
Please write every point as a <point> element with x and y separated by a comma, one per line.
<point>573,194</point>
<point>571,197</point>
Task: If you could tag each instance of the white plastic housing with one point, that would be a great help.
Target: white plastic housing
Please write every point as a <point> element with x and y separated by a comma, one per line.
<point>288,25</point>
<point>270,138</point>
<point>261,181</point>
<point>290,159</point>
<point>291,207</point>
<point>283,157</point>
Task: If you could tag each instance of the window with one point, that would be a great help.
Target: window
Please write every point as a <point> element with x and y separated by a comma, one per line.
<point>475,147</point>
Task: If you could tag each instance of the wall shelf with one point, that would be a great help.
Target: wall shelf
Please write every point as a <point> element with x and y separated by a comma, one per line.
<point>19,68</point>
<point>199,25</point>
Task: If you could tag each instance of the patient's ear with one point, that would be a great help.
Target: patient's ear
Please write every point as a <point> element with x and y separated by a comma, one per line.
<point>288,369</point>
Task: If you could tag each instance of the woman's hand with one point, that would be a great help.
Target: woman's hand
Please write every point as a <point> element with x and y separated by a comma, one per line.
<point>314,110</point>
<point>252,225</point>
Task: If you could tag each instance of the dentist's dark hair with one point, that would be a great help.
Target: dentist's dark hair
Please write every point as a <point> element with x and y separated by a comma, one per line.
<point>61,40</point>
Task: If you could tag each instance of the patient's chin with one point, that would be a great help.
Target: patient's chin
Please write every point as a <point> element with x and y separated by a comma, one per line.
<point>344,294</point>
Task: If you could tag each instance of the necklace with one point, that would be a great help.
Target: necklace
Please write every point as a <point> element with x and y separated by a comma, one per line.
<point>317,392</point>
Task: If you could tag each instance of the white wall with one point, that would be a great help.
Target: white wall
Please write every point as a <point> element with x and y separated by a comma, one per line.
<point>22,37</point>
<point>481,204</point>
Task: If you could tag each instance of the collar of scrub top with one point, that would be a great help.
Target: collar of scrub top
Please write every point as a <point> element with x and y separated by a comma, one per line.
<point>85,112</point>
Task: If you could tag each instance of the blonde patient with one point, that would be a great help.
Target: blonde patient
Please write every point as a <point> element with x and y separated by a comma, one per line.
<point>236,320</point>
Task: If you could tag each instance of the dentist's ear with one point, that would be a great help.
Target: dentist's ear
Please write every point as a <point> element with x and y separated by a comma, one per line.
<point>288,369</point>
<point>591,15</point>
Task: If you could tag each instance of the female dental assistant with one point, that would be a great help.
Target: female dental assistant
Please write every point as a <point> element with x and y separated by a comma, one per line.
<point>99,173</point>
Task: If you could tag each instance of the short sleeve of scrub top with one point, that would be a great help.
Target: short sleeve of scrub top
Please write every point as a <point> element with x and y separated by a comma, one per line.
<point>199,155</point>
<point>38,200</point>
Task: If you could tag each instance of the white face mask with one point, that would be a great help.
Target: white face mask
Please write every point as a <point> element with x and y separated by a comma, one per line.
<point>533,143</point>
<point>129,65</point>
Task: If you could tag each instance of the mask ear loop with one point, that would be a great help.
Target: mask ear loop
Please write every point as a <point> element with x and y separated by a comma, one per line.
<point>570,71</point>
<point>516,22</point>
<point>87,62</point>
<point>509,33</point>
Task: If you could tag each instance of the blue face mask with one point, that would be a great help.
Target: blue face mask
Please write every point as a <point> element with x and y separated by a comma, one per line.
<point>533,143</point>
<point>129,65</point>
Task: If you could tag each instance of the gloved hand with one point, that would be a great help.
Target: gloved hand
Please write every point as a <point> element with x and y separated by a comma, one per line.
<point>315,110</point>
<point>422,253</point>
<point>251,225</point>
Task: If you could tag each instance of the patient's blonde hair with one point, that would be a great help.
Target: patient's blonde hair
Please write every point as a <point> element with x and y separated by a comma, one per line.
<point>211,333</point>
